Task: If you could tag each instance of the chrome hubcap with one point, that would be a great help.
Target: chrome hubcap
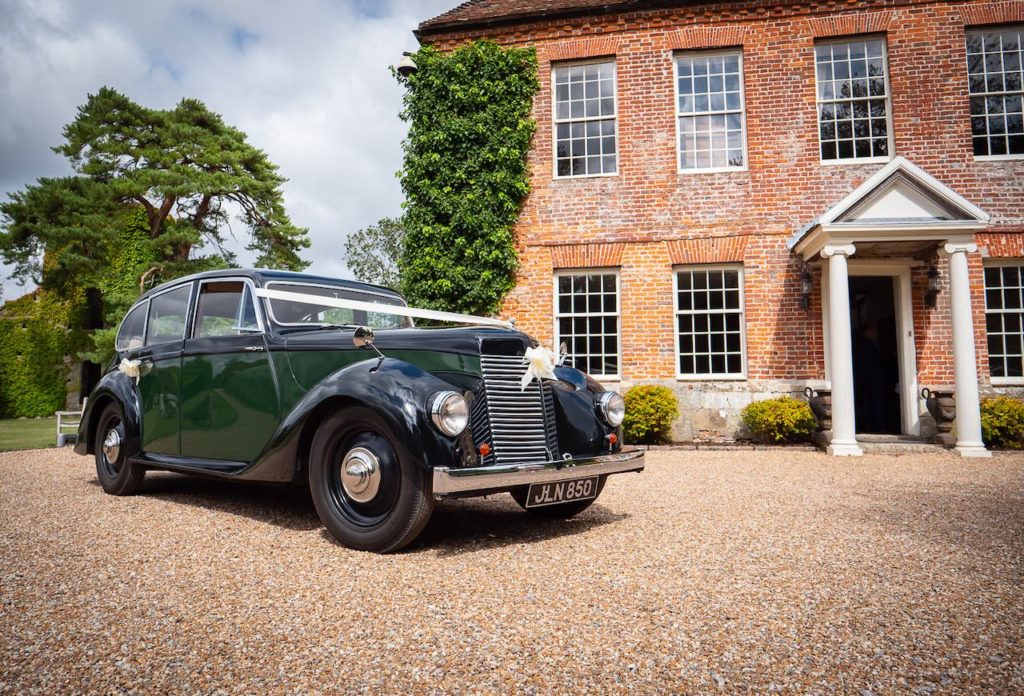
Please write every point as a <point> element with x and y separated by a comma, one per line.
<point>112,446</point>
<point>360,474</point>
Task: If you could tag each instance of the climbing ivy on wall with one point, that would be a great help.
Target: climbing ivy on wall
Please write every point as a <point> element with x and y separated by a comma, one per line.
<point>465,174</point>
<point>35,342</point>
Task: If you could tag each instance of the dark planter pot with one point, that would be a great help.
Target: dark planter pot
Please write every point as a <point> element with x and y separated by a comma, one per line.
<point>820,401</point>
<point>941,405</point>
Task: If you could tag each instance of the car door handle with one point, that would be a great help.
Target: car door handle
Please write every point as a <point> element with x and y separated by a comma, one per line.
<point>255,349</point>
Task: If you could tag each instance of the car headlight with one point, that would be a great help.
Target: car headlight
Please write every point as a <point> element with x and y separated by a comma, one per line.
<point>450,412</point>
<point>612,408</point>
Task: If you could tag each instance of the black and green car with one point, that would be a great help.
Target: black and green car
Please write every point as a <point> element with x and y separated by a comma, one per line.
<point>244,375</point>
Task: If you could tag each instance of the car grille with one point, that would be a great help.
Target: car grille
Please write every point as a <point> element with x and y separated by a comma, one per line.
<point>521,422</point>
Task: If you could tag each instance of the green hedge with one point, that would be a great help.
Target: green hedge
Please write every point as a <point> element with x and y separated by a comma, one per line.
<point>34,341</point>
<point>650,411</point>
<point>1002,422</point>
<point>779,420</point>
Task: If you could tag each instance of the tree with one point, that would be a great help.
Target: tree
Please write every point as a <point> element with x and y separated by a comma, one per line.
<point>184,168</point>
<point>372,253</point>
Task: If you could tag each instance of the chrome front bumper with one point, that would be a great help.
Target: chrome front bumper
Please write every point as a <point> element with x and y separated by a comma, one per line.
<point>481,479</point>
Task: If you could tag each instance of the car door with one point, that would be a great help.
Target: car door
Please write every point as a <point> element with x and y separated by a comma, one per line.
<point>229,393</point>
<point>160,370</point>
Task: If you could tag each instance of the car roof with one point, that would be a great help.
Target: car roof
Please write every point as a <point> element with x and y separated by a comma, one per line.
<point>262,276</point>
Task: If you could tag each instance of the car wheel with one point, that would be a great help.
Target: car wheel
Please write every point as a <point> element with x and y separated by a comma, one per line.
<point>561,511</point>
<point>367,494</point>
<point>117,475</point>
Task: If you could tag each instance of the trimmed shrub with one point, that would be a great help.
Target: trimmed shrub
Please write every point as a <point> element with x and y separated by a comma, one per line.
<point>1002,422</point>
<point>650,411</point>
<point>779,420</point>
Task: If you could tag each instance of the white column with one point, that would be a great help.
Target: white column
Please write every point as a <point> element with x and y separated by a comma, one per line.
<point>844,441</point>
<point>968,412</point>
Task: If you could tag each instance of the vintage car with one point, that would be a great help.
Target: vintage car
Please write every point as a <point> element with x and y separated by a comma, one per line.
<point>291,378</point>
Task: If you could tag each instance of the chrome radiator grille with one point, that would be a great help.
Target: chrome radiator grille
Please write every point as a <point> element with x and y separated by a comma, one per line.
<point>519,430</point>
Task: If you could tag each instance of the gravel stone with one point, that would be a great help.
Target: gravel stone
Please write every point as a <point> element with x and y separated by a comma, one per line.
<point>714,571</point>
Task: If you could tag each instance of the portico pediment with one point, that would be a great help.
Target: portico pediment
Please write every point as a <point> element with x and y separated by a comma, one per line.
<point>899,203</point>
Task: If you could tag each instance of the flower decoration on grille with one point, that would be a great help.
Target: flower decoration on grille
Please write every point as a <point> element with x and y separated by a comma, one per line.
<point>540,365</point>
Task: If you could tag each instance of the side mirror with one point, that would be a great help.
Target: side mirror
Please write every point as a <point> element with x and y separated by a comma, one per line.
<point>563,352</point>
<point>363,337</point>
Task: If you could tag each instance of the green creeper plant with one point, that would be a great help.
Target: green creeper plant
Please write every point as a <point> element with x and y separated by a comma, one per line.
<point>780,420</point>
<point>465,174</point>
<point>35,342</point>
<point>650,411</point>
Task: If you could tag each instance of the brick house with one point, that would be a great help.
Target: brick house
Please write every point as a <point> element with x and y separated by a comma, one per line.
<point>743,199</point>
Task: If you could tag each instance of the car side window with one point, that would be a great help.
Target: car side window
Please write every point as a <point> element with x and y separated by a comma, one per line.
<point>167,316</point>
<point>133,329</point>
<point>225,308</point>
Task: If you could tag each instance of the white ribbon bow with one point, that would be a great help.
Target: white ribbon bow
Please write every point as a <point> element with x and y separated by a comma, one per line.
<point>540,365</point>
<point>133,368</point>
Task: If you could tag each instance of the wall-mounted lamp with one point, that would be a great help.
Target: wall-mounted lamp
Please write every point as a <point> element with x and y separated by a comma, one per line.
<point>806,285</point>
<point>406,66</point>
<point>931,295</point>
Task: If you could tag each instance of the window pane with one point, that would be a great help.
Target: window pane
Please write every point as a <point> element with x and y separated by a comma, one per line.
<point>710,105</point>
<point>584,110</point>
<point>994,76</point>
<point>851,85</point>
<point>1004,319</point>
<point>133,329</point>
<point>167,313</point>
<point>588,320</point>
<point>709,322</point>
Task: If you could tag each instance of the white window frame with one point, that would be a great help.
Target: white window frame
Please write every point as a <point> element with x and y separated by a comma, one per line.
<point>606,270</point>
<point>1001,263</point>
<point>555,122</point>
<point>679,116</point>
<point>710,376</point>
<point>970,95</point>
<point>890,135</point>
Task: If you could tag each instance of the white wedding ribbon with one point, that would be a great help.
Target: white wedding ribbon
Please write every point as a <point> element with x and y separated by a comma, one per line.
<point>134,368</point>
<point>540,364</point>
<point>402,311</point>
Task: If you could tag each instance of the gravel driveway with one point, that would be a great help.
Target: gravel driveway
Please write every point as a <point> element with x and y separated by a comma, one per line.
<point>733,571</point>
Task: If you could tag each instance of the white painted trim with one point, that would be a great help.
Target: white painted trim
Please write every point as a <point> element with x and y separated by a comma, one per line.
<point>910,409</point>
<point>927,182</point>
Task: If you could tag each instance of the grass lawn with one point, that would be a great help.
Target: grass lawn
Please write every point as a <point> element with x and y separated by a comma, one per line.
<point>27,433</point>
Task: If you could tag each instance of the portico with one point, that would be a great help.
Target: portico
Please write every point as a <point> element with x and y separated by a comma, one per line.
<point>890,223</point>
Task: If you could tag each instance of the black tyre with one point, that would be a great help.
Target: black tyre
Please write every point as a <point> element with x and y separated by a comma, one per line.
<point>560,511</point>
<point>367,494</point>
<point>117,475</point>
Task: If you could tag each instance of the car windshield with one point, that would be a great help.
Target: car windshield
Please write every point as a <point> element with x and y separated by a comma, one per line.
<point>294,313</point>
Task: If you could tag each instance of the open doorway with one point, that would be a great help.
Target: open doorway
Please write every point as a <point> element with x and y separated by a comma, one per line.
<point>876,372</point>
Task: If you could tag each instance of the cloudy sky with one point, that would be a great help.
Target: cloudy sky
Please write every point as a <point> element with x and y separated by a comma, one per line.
<point>307,80</point>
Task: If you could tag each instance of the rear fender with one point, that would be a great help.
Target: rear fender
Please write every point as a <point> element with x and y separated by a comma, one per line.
<point>114,387</point>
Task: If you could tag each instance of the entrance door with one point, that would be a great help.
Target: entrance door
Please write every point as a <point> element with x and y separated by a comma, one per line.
<point>876,371</point>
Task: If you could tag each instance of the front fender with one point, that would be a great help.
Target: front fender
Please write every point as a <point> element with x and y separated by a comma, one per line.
<point>397,390</point>
<point>113,387</point>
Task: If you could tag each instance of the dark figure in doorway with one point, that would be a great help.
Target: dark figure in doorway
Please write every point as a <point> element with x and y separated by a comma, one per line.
<point>870,381</point>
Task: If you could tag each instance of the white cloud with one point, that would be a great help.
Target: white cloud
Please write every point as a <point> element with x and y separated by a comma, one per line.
<point>307,81</point>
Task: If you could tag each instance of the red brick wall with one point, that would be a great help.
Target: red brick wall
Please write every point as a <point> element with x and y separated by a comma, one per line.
<point>653,214</point>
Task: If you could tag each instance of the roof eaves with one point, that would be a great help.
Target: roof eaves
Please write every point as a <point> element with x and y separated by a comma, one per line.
<point>433,26</point>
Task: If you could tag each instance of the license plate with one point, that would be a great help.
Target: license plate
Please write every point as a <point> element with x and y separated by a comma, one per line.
<point>542,494</point>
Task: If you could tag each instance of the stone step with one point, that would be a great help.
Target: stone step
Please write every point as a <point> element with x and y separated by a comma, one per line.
<point>897,444</point>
